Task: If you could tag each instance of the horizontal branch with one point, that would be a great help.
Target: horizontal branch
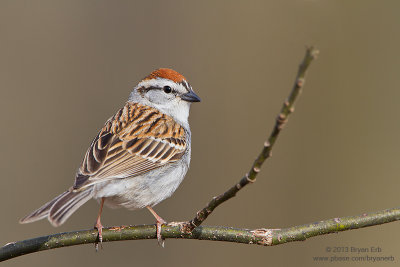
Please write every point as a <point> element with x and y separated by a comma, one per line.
<point>265,237</point>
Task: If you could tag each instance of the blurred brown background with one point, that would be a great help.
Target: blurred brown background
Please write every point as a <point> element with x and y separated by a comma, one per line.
<point>66,66</point>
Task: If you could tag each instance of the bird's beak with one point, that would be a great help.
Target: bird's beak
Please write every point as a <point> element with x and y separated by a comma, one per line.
<point>190,97</point>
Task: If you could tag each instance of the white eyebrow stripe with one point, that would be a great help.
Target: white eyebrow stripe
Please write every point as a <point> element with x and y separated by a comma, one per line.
<point>161,82</point>
<point>156,83</point>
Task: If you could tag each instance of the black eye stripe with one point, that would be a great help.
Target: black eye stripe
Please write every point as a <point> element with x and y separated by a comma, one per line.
<point>146,89</point>
<point>154,87</point>
<point>167,89</point>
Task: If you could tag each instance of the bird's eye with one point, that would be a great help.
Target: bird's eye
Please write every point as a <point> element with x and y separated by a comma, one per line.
<point>167,89</point>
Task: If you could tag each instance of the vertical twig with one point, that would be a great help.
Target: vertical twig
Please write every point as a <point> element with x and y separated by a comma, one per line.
<point>250,177</point>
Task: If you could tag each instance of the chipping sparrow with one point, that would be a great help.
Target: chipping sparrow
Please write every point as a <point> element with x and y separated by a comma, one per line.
<point>139,157</point>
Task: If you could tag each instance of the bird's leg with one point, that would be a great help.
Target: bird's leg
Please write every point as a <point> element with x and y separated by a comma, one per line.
<point>99,226</point>
<point>160,221</point>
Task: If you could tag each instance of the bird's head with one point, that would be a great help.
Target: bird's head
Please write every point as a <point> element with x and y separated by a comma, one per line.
<point>168,91</point>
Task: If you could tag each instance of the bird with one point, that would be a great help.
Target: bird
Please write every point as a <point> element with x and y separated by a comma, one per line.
<point>139,157</point>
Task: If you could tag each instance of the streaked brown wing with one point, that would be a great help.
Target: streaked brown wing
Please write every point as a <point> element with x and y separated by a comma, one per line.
<point>135,140</point>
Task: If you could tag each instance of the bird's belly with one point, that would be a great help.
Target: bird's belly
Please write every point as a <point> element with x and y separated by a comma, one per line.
<point>141,191</point>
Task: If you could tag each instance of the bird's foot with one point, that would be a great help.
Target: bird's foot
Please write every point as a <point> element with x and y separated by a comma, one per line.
<point>159,223</point>
<point>99,228</point>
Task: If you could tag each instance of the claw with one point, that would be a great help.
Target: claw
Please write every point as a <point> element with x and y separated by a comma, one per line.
<point>160,222</point>
<point>99,228</point>
<point>159,237</point>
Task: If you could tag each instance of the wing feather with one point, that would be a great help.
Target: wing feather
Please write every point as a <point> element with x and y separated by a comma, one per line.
<point>135,140</point>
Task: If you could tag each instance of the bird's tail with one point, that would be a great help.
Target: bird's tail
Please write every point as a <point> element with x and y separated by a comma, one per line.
<point>60,208</point>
